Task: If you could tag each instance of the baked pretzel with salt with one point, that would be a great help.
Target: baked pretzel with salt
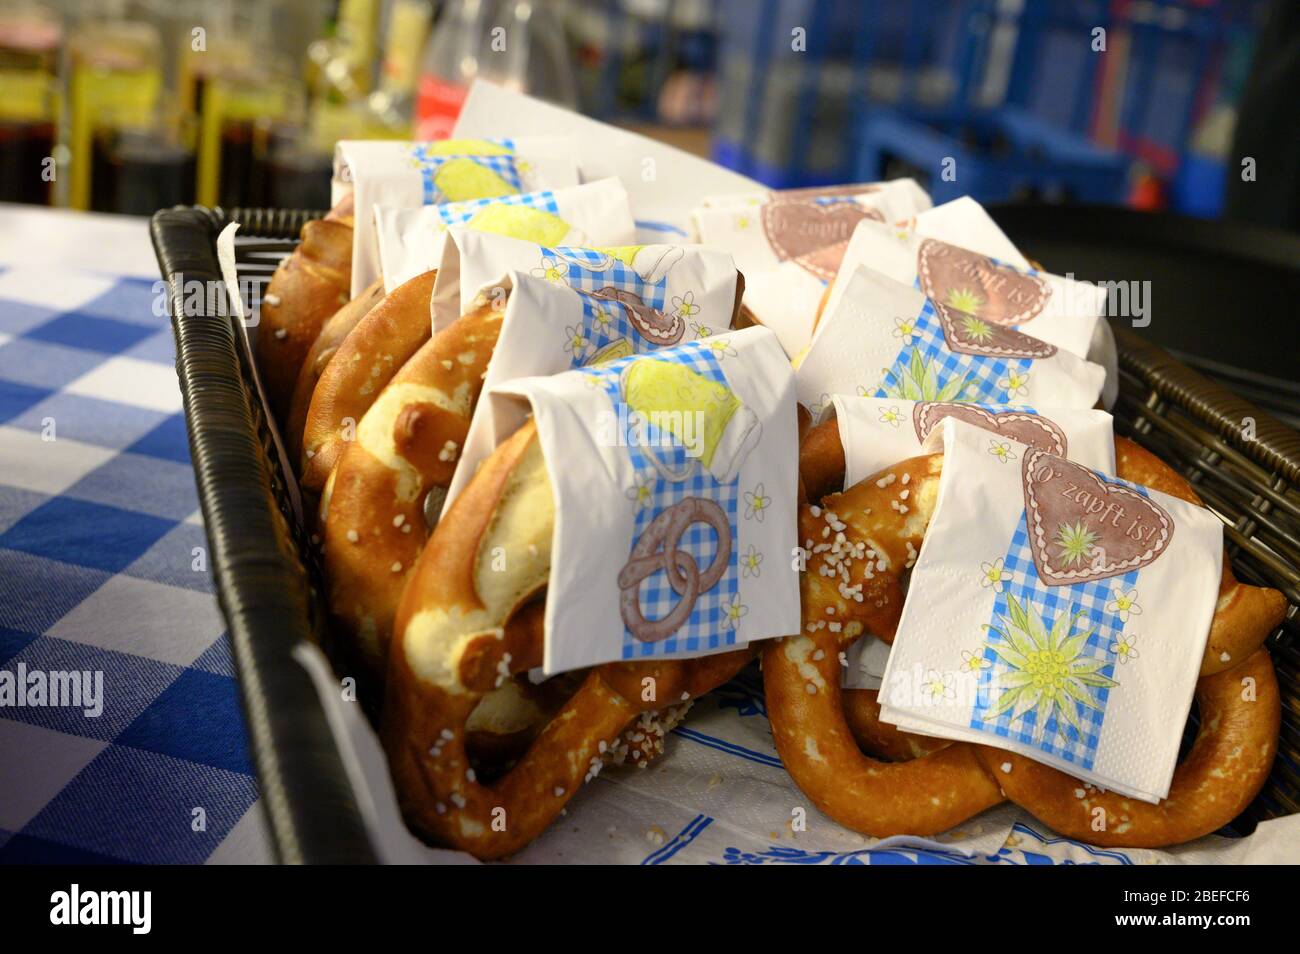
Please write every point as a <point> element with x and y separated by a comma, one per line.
<point>307,288</point>
<point>365,361</point>
<point>406,447</point>
<point>488,558</point>
<point>860,543</point>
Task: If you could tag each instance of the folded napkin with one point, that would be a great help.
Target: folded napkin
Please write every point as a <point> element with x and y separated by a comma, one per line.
<point>1055,612</point>
<point>886,339</point>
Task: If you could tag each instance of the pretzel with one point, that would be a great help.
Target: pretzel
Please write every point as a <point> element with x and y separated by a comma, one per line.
<point>318,358</point>
<point>307,287</point>
<point>1221,775</point>
<point>875,539</point>
<point>376,349</point>
<point>406,445</point>
<point>656,549</point>
<point>453,612</point>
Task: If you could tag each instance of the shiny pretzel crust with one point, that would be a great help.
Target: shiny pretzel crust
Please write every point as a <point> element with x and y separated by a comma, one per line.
<point>306,289</point>
<point>455,601</point>
<point>929,792</point>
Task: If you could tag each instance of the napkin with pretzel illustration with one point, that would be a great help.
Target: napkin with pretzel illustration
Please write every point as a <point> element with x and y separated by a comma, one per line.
<point>886,339</point>
<point>789,245</point>
<point>411,174</point>
<point>877,433</point>
<point>567,308</point>
<point>411,239</point>
<point>1057,612</point>
<point>673,477</point>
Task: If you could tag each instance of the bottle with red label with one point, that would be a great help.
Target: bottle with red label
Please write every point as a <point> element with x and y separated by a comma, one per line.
<point>518,44</point>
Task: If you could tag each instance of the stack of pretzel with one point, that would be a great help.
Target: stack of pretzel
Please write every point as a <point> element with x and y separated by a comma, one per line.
<point>375,409</point>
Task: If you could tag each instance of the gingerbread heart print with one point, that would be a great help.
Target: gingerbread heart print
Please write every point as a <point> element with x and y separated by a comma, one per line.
<point>1082,528</point>
<point>969,334</point>
<point>797,229</point>
<point>1033,430</point>
<point>825,261</point>
<point>956,279</point>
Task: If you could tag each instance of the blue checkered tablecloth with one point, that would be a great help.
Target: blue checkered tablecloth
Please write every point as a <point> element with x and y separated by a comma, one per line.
<point>103,570</point>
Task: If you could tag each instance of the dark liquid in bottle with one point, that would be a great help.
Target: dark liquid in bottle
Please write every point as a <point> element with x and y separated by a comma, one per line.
<point>24,149</point>
<point>138,173</point>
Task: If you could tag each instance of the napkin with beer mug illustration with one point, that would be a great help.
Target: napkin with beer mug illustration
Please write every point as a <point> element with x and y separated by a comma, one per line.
<point>410,174</point>
<point>663,288</point>
<point>1057,612</point>
<point>877,433</point>
<point>788,244</point>
<point>674,478</point>
<point>885,339</point>
<point>411,239</point>
<point>568,307</point>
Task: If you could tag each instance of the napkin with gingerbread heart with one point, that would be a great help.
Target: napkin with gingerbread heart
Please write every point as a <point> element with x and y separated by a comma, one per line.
<point>789,245</point>
<point>885,339</point>
<point>877,433</point>
<point>1063,617</point>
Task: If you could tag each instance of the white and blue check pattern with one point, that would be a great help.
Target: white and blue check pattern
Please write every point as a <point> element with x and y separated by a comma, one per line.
<point>506,166</point>
<point>103,569</point>
<point>1050,602</point>
<point>587,270</point>
<point>458,213</point>
<point>706,629</point>
<point>981,372</point>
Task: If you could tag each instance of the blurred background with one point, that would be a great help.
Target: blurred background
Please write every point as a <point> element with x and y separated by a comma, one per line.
<point>130,105</point>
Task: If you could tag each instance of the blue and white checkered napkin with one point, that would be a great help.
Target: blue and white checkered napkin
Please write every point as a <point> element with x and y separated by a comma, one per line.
<point>104,581</point>
<point>1064,617</point>
<point>884,339</point>
<point>674,477</point>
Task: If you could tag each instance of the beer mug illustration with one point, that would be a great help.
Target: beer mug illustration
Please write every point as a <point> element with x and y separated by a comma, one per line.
<point>523,222</point>
<point>705,416</point>
<point>462,178</point>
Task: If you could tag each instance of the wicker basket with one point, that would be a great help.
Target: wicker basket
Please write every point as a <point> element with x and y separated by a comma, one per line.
<point>1244,464</point>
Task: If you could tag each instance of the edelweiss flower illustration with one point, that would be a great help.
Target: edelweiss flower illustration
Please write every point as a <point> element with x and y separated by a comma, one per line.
<point>1076,542</point>
<point>976,328</point>
<point>602,316</point>
<point>822,404</point>
<point>938,686</point>
<point>743,221</point>
<point>974,661</point>
<point>722,348</point>
<point>756,503</point>
<point>701,330</point>
<point>641,492</point>
<point>576,341</point>
<point>749,563</point>
<point>905,328</point>
<point>994,574</point>
<point>551,271</point>
<point>1051,675</point>
<point>733,612</point>
<point>1124,604</point>
<point>1124,648</point>
<point>684,305</point>
<point>1015,384</point>
<point>966,299</point>
<point>1001,450</point>
<point>891,415</point>
<point>862,391</point>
